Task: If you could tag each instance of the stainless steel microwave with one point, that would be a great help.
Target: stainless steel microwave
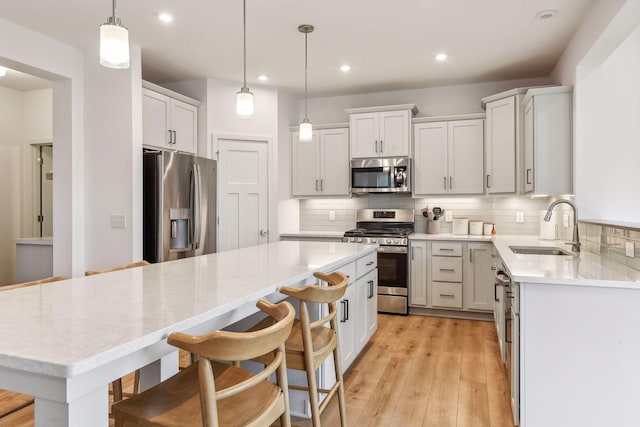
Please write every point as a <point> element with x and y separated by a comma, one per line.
<point>381,175</point>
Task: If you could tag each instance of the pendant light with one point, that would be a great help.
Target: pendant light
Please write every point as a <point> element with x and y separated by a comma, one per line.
<point>114,42</point>
<point>244,98</point>
<point>306,129</point>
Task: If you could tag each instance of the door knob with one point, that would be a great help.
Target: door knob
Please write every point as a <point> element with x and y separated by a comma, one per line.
<point>264,232</point>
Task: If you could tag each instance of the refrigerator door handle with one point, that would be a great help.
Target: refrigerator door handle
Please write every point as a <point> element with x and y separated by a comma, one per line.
<point>196,209</point>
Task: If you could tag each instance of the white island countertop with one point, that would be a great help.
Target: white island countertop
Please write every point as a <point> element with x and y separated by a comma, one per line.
<point>582,269</point>
<point>67,328</point>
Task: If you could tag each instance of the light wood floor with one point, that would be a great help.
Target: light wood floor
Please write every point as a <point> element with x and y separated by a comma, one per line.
<point>416,371</point>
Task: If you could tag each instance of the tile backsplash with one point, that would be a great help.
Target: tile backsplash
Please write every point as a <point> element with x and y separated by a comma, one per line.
<point>314,213</point>
<point>610,241</point>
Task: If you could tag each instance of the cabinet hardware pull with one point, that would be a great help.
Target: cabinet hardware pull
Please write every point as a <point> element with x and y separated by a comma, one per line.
<point>381,147</point>
<point>347,301</point>
<point>488,186</point>
<point>175,137</point>
<point>413,253</point>
<point>369,263</point>
<point>493,268</point>
<point>376,146</point>
<point>170,137</point>
<point>445,182</point>
<point>471,255</point>
<point>344,310</point>
<point>445,249</point>
<point>447,295</point>
<point>316,185</point>
<point>451,270</point>
<point>528,170</point>
<point>322,185</point>
<point>495,292</point>
<point>450,183</point>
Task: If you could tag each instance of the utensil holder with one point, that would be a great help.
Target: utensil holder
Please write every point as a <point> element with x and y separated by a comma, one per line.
<point>433,227</point>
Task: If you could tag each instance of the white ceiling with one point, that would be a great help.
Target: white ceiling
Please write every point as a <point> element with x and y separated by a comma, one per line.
<point>390,45</point>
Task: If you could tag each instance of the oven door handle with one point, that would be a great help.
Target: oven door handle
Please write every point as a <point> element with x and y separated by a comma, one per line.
<point>392,250</point>
<point>502,278</point>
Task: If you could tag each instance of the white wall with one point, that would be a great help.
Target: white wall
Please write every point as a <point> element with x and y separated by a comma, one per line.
<point>434,101</point>
<point>113,162</point>
<point>288,208</point>
<point>11,136</point>
<point>608,136</point>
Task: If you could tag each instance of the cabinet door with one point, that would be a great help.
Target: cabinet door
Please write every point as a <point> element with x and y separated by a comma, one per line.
<point>478,277</point>
<point>430,158</point>
<point>155,119</point>
<point>334,162</point>
<point>528,147</point>
<point>418,274</point>
<point>394,134</point>
<point>347,327</point>
<point>364,129</point>
<point>372,303</point>
<point>501,146</point>
<point>305,165</point>
<point>466,147</point>
<point>361,312</point>
<point>184,122</point>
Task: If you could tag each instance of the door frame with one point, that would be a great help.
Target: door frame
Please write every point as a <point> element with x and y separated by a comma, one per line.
<point>213,151</point>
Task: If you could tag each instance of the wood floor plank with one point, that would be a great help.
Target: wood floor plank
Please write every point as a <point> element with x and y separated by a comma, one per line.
<point>442,407</point>
<point>473,405</point>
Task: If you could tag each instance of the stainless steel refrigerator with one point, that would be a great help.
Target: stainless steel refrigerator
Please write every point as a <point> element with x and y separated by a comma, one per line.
<point>179,205</point>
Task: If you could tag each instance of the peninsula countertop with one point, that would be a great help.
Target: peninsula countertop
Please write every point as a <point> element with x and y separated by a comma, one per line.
<point>67,328</point>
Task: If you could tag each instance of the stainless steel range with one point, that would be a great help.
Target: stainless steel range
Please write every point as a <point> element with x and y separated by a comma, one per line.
<point>390,229</point>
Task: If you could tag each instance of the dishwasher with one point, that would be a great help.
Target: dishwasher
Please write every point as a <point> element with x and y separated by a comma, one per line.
<point>511,326</point>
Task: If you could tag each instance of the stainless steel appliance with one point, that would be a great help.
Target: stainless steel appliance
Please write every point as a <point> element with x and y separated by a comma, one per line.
<point>179,205</point>
<point>390,229</point>
<point>381,175</point>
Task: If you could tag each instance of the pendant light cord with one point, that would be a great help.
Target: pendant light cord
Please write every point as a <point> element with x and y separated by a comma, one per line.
<point>306,116</point>
<point>244,38</point>
<point>114,10</point>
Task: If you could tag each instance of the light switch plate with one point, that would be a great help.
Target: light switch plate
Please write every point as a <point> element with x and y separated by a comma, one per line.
<point>332,215</point>
<point>448,216</point>
<point>520,217</point>
<point>630,249</point>
<point>118,221</point>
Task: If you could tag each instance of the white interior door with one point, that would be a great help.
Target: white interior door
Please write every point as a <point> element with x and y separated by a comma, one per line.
<point>243,197</point>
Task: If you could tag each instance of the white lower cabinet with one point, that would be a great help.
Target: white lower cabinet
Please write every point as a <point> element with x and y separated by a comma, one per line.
<point>347,308</point>
<point>451,275</point>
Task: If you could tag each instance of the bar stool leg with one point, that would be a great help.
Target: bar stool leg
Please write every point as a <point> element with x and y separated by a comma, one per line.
<point>341,400</point>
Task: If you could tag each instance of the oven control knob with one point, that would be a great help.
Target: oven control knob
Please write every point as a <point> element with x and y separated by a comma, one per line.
<point>388,241</point>
<point>352,239</point>
<point>359,239</point>
<point>374,240</point>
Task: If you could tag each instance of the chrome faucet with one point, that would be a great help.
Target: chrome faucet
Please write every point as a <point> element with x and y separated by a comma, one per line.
<point>575,245</point>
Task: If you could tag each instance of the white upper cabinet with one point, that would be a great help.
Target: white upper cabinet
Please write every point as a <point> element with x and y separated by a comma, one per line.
<point>448,157</point>
<point>547,141</point>
<point>501,142</point>
<point>168,122</point>
<point>321,167</point>
<point>381,131</point>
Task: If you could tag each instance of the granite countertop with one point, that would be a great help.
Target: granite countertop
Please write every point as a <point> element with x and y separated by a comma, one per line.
<point>150,303</point>
<point>582,269</point>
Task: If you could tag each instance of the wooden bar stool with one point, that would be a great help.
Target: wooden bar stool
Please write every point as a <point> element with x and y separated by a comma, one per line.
<point>310,343</point>
<point>210,393</point>
<point>116,385</point>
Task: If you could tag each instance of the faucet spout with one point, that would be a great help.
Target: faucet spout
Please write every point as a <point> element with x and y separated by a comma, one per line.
<point>575,244</point>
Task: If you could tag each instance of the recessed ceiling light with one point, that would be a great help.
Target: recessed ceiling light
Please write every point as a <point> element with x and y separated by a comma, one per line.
<point>3,71</point>
<point>165,17</point>
<point>263,78</point>
<point>546,14</point>
<point>441,57</point>
<point>345,68</point>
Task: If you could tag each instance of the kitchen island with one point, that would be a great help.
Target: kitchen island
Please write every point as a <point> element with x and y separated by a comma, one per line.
<point>578,350</point>
<point>64,342</point>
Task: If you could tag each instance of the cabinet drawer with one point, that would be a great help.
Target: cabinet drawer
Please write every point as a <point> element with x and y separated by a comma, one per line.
<point>446,269</point>
<point>349,270</point>
<point>446,294</point>
<point>446,249</point>
<point>366,264</point>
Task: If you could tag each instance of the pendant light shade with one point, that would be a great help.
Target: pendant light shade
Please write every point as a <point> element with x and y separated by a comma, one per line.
<point>3,71</point>
<point>114,42</point>
<point>306,128</point>
<point>244,98</point>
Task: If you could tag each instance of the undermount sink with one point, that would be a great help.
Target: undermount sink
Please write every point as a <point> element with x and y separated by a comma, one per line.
<point>539,250</point>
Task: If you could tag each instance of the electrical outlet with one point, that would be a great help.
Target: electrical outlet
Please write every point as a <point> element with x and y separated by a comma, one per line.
<point>332,215</point>
<point>565,220</point>
<point>118,221</point>
<point>520,217</point>
<point>448,216</point>
<point>630,249</point>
